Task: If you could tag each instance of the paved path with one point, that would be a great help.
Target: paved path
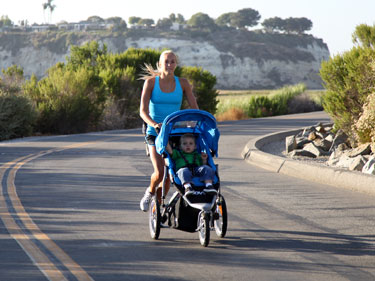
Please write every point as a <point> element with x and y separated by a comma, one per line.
<point>69,209</point>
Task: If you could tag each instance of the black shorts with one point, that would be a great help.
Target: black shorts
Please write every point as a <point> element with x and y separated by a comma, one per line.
<point>150,140</point>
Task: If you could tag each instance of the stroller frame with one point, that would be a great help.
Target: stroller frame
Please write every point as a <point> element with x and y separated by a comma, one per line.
<point>210,210</point>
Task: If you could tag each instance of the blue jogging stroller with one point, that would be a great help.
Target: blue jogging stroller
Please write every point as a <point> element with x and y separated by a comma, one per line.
<point>198,212</point>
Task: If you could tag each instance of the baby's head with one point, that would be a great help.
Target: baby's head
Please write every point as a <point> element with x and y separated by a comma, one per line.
<point>187,143</point>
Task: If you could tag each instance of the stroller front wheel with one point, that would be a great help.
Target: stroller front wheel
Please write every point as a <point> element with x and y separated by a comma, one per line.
<point>154,218</point>
<point>204,228</point>
<point>221,223</point>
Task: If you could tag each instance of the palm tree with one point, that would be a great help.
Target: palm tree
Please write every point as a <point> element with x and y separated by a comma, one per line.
<point>48,5</point>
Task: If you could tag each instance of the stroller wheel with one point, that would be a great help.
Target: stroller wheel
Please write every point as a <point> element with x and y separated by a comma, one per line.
<point>204,228</point>
<point>221,217</point>
<point>154,218</point>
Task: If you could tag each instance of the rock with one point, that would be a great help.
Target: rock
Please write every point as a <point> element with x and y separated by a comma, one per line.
<point>369,167</point>
<point>363,149</point>
<point>330,137</point>
<point>323,144</point>
<point>340,137</point>
<point>290,143</point>
<point>312,136</point>
<point>317,151</point>
<point>306,132</point>
<point>358,163</point>
<point>320,128</point>
<point>301,141</point>
<point>301,152</point>
<point>343,161</point>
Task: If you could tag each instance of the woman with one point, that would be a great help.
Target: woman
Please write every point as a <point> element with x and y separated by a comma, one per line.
<point>161,95</point>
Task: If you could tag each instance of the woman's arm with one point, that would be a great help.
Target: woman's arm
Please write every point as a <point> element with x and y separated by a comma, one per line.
<point>186,88</point>
<point>148,86</point>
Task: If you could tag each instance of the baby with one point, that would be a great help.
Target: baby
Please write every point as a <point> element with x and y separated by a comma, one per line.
<point>190,163</point>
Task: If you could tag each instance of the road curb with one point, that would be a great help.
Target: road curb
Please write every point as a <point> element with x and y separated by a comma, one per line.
<point>254,155</point>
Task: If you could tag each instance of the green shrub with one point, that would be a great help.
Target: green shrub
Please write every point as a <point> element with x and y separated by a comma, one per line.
<point>17,116</point>
<point>281,98</point>
<point>203,83</point>
<point>68,101</point>
<point>275,104</point>
<point>260,107</point>
<point>96,90</point>
<point>349,79</point>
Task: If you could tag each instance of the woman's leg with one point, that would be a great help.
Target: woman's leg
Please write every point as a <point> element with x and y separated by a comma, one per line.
<point>156,182</point>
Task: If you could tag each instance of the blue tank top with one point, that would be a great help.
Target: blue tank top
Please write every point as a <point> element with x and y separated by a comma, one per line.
<point>162,104</point>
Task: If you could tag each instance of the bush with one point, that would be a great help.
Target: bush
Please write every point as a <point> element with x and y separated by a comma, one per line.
<point>203,83</point>
<point>95,90</point>
<point>68,101</point>
<point>349,79</point>
<point>260,107</point>
<point>281,98</point>
<point>364,128</point>
<point>17,116</point>
<point>275,104</point>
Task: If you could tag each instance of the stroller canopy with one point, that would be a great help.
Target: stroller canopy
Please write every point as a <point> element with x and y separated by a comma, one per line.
<point>189,121</point>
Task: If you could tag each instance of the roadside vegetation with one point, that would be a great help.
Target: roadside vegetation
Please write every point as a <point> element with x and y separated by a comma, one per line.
<point>93,90</point>
<point>350,82</point>
<point>235,105</point>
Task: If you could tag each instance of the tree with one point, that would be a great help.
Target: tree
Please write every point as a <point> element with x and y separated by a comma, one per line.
<point>95,19</point>
<point>5,21</point>
<point>297,25</point>
<point>172,17</point>
<point>364,35</point>
<point>201,20</point>
<point>119,23</point>
<point>180,19</point>
<point>245,18</point>
<point>134,20</point>
<point>164,23</point>
<point>48,5</point>
<point>273,24</point>
<point>146,22</point>
<point>225,19</point>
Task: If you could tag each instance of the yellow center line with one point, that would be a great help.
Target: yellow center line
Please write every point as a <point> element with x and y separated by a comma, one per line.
<point>24,240</point>
<point>35,254</point>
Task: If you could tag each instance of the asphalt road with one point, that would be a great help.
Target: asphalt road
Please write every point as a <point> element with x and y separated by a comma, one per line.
<point>70,210</point>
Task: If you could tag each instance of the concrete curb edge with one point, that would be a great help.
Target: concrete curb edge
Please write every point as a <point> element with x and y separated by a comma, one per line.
<point>253,154</point>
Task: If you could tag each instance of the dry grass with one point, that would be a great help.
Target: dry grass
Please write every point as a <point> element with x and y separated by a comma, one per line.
<point>231,115</point>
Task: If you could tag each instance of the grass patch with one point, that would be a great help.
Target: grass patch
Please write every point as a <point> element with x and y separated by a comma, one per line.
<point>261,103</point>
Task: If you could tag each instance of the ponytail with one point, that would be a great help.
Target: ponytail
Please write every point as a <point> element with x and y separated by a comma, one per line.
<point>150,72</point>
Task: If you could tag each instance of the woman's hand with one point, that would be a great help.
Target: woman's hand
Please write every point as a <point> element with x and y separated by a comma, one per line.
<point>204,157</point>
<point>157,127</point>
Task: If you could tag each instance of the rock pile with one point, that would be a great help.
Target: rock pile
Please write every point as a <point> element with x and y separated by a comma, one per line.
<point>320,142</point>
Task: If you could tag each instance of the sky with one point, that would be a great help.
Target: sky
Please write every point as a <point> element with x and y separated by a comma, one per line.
<point>334,21</point>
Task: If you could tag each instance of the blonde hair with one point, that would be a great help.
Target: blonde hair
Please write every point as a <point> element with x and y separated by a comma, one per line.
<point>149,71</point>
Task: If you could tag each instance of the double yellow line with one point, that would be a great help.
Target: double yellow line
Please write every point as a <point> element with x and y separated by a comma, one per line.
<point>45,254</point>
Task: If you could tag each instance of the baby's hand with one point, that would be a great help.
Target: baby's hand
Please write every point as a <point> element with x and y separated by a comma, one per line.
<point>204,156</point>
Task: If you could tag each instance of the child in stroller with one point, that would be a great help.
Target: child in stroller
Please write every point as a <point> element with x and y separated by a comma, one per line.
<point>197,205</point>
<point>189,164</point>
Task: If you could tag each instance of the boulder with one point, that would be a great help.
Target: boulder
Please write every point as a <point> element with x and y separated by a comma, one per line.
<point>301,141</point>
<point>317,151</point>
<point>369,167</point>
<point>323,144</point>
<point>312,136</point>
<point>358,163</point>
<point>340,137</point>
<point>301,152</point>
<point>290,143</point>
<point>363,149</point>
